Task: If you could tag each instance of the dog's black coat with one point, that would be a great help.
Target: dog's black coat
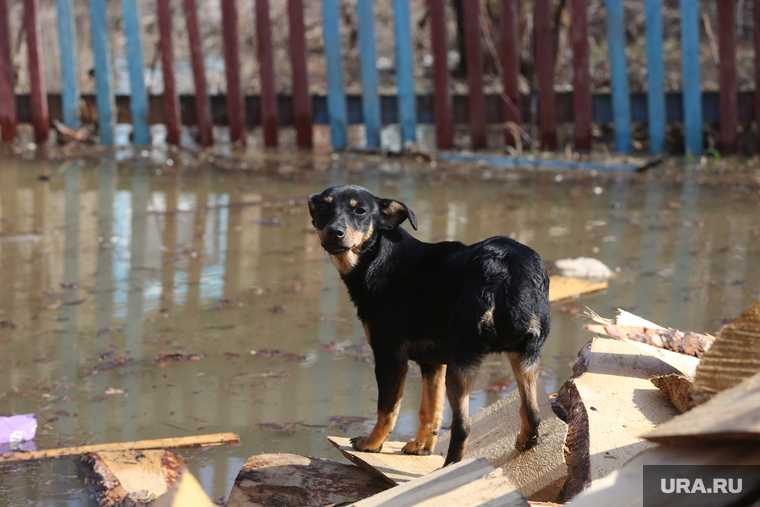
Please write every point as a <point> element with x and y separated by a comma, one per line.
<point>436,304</point>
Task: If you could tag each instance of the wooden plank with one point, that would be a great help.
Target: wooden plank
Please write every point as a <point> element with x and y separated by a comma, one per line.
<point>103,79</point>
<point>7,81</point>
<point>729,112</point>
<point>683,342</point>
<point>138,104</point>
<point>581,74</point>
<point>544,60</point>
<point>171,101</point>
<point>301,480</point>
<point>734,356</point>
<point>38,95</point>
<point>474,56</point>
<point>563,287</point>
<point>407,99</point>
<point>677,388</point>
<point>444,116</point>
<point>370,82</point>
<point>336,92</point>
<point>621,102</point>
<point>269,117</point>
<point>692,79</point>
<point>67,41</point>
<point>235,104</point>
<point>538,473</point>
<point>391,463</point>
<point>161,443</point>
<point>469,483</point>
<point>202,110</point>
<point>301,98</point>
<point>185,492</point>
<point>510,66</point>
<point>655,75</point>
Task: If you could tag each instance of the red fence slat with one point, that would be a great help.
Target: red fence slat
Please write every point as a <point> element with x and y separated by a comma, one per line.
<point>266,73</point>
<point>544,62</point>
<point>40,120</point>
<point>301,99</point>
<point>510,65</point>
<point>474,53</point>
<point>444,126</point>
<point>171,101</point>
<point>7,97</point>
<point>202,109</point>
<point>728,97</point>
<point>235,102</point>
<point>581,76</point>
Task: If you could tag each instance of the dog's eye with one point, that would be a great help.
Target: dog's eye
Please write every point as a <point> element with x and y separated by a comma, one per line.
<point>360,211</point>
<point>322,208</point>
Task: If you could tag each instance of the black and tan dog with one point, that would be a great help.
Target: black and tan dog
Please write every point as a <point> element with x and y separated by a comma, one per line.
<point>444,305</point>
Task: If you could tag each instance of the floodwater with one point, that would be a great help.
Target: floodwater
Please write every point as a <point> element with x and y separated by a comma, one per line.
<point>105,267</point>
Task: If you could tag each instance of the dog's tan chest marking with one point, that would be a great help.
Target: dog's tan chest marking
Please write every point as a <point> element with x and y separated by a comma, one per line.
<point>346,261</point>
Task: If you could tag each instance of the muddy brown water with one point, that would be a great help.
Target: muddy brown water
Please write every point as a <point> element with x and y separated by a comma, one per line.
<point>107,267</point>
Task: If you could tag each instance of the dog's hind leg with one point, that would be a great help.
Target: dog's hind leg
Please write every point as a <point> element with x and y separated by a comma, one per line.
<point>459,382</point>
<point>431,409</point>
<point>390,375</point>
<point>525,368</point>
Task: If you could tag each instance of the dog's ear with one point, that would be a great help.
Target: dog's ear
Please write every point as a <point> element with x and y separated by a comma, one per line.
<point>393,212</point>
<point>312,204</point>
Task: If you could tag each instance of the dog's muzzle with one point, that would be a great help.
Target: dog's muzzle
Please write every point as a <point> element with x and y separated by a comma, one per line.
<point>333,240</point>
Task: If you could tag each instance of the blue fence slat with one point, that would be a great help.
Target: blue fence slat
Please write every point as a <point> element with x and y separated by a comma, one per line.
<point>407,106</point>
<point>336,92</point>
<point>103,81</point>
<point>138,104</point>
<point>621,105</point>
<point>370,82</point>
<point>69,81</point>
<point>655,75</point>
<point>692,94</point>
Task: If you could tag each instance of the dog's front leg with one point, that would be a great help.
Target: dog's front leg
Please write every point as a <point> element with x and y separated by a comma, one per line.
<point>431,409</point>
<point>390,375</point>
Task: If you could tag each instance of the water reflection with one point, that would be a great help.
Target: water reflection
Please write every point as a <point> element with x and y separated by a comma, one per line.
<point>100,263</point>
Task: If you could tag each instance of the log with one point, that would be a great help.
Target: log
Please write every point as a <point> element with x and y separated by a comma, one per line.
<point>391,464</point>
<point>282,480</point>
<point>733,414</point>
<point>161,443</point>
<point>127,478</point>
<point>609,402</point>
<point>469,483</point>
<point>184,493</point>
<point>735,356</point>
<point>676,387</point>
<point>538,473</point>
<point>563,287</point>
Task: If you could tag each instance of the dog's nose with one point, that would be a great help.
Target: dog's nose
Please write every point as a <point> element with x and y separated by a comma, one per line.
<point>336,231</point>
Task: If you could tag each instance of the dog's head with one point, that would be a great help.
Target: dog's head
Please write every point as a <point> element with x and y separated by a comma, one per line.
<point>347,216</point>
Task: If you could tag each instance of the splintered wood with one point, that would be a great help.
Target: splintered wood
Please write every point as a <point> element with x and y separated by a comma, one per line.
<point>186,492</point>
<point>676,387</point>
<point>391,463</point>
<point>538,473</point>
<point>469,483</point>
<point>563,287</point>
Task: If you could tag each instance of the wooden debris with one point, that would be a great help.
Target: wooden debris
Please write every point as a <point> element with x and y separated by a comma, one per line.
<point>469,483</point>
<point>676,387</point>
<point>186,492</point>
<point>538,473</point>
<point>391,463</point>
<point>610,402</point>
<point>734,357</point>
<point>628,319</point>
<point>733,414</point>
<point>563,287</point>
<point>161,443</point>
<point>126,478</point>
<point>280,480</point>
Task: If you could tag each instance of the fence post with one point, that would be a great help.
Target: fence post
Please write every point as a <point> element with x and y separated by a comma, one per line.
<point>38,97</point>
<point>301,98</point>
<point>7,92</point>
<point>69,78</point>
<point>476,98</point>
<point>171,101</point>
<point>544,63</point>
<point>235,101</point>
<point>266,74</point>
<point>581,77</point>
<point>621,99</point>
<point>655,74</point>
<point>337,108</point>
<point>104,85</point>
<point>729,109</point>
<point>138,95</point>
<point>202,110</point>
<point>444,118</point>
<point>692,94</point>
<point>370,84</point>
<point>407,99</point>
<point>510,67</point>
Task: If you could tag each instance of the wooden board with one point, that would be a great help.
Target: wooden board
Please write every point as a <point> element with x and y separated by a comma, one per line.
<point>733,414</point>
<point>469,483</point>
<point>680,363</point>
<point>676,387</point>
<point>683,342</point>
<point>563,287</point>
<point>734,357</point>
<point>184,493</point>
<point>119,477</point>
<point>391,463</point>
<point>538,473</point>
<point>297,480</point>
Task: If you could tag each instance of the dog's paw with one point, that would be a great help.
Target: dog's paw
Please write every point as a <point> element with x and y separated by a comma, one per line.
<point>415,448</point>
<point>523,443</point>
<point>360,444</point>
